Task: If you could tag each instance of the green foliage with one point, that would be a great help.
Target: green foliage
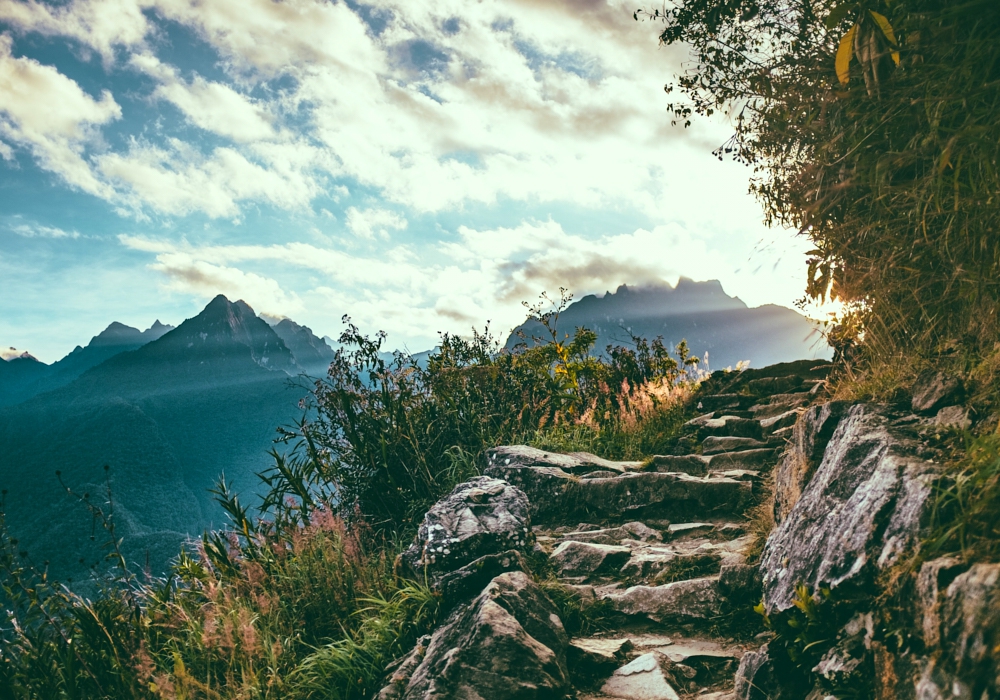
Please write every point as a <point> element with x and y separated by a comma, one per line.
<point>965,519</point>
<point>890,168</point>
<point>390,436</point>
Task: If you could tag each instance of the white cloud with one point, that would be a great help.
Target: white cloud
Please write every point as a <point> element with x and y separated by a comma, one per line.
<point>98,24</point>
<point>371,222</point>
<point>39,231</point>
<point>482,275</point>
<point>211,106</point>
<point>47,112</point>
<point>524,101</point>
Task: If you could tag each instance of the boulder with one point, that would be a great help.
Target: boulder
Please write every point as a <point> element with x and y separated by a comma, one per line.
<point>861,510</point>
<point>933,578</point>
<point>483,516</point>
<point>596,657</point>
<point>507,643</point>
<point>762,677</point>
<point>644,678</point>
<point>804,453</point>
<point>952,417</point>
<point>968,666</point>
<point>682,602</point>
<point>586,558</point>
<point>934,390</point>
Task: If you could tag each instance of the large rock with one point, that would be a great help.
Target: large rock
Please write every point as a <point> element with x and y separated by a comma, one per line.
<point>934,390</point>
<point>762,677</point>
<point>586,558</point>
<point>507,644</point>
<point>810,436</point>
<point>481,517</point>
<point>646,677</point>
<point>860,511</point>
<point>556,496</point>
<point>968,665</point>
<point>682,602</point>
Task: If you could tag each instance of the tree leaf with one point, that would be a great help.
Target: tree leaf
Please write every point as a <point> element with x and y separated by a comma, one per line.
<point>843,62</point>
<point>886,28</point>
<point>837,14</point>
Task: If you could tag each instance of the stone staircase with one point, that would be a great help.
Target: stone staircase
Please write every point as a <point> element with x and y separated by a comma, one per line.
<point>660,544</point>
<point>655,549</point>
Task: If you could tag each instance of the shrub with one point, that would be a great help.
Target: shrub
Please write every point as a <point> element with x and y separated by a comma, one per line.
<point>388,436</point>
<point>873,130</point>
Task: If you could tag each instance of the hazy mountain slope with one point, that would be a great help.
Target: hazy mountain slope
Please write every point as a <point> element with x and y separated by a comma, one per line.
<point>311,352</point>
<point>167,418</point>
<point>17,377</point>
<point>114,339</point>
<point>700,312</point>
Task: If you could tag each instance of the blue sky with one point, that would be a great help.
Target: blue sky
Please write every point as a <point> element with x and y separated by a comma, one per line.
<point>423,166</point>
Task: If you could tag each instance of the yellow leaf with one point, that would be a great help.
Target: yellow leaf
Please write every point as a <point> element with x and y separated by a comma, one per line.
<point>843,62</point>
<point>886,28</point>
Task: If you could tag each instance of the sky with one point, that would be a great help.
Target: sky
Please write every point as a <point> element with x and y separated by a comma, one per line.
<point>422,166</point>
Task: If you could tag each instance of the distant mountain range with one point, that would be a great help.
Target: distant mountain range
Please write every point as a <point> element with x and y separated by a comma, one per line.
<point>167,409</point>
<point>700,312</point>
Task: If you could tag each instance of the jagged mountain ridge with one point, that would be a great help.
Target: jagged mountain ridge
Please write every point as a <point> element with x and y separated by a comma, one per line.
<point>40,377</point>
<point>167,418</point>
<point>699,312</point>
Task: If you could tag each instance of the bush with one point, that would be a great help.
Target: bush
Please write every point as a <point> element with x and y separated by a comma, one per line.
<point>389,437</point>
<point>890,168</point>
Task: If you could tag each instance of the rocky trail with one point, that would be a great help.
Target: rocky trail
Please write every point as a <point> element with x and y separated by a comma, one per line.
<point>652,555</point>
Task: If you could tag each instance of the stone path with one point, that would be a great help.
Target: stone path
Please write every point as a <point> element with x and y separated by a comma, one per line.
<point>659,545</point>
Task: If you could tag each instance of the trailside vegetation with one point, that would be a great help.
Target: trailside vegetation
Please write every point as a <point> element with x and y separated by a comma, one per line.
<point>873,129</point>
<point>298,597</point>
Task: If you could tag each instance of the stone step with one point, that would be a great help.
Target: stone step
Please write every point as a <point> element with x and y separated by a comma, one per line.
<point>717,402</point>
<point>692,601</point>
<point>683,464</point>
<point>573,463</point>
<point>688,664</point>
<point>713,445</point>
<point>771,425</point>
<point>779,403</point>
<point>555,496</point>
<point>731,426</point>
<point>757,459</point>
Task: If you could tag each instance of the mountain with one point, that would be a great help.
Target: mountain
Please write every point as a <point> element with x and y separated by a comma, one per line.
<point>18,375</point>
<point>312,353</point>
<point>114,339</point>
<point>167,418</point>
<point>700,312</point>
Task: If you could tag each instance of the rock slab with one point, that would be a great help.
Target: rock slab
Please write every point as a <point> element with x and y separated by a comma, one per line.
<point>506,644</point>
<point>480,517</point>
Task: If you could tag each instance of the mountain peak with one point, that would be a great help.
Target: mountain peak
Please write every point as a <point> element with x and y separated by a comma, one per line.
<point>223,322</point>
<point>13,353</point>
